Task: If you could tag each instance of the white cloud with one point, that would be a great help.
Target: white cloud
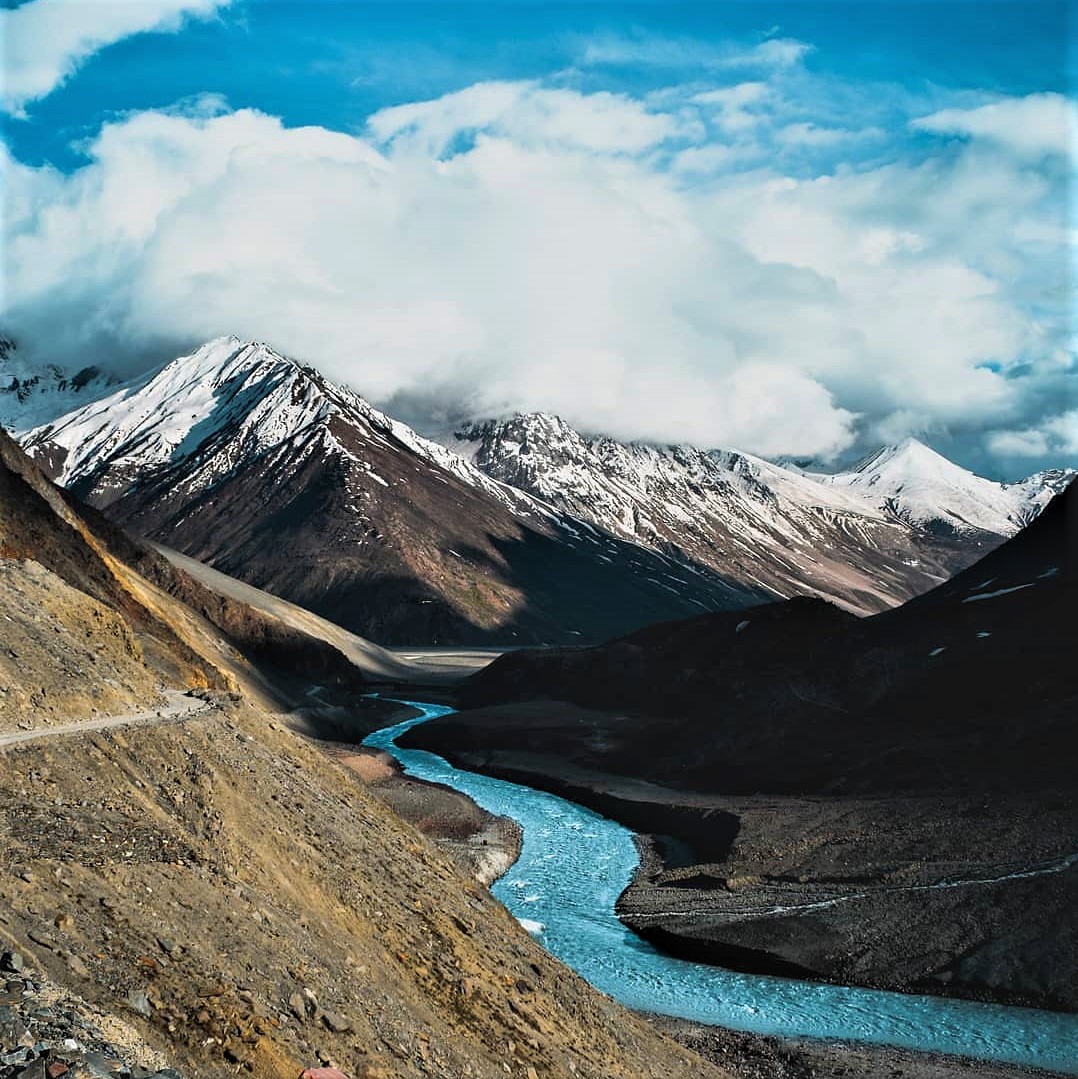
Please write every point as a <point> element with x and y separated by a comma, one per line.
<point>44,41</point>
<point>1056,435</point>
<point>528,114</point>
<point>1036,124</point>
<point>737,108</point>
<point>522,247</point>
<point>775,52</point>
<point>1028,443</point>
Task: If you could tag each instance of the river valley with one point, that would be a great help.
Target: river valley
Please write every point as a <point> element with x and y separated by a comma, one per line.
<point>573,866</point>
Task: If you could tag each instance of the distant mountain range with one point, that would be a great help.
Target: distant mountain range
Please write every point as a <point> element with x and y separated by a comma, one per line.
<point>901,521</point>
<point>521,529</point>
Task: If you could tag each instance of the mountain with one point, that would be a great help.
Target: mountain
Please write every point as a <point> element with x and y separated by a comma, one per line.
<point>260,467</point>
<point>857,704</point>
<point>34,394</point>
<point>887,800</point>
<point>867,539</point>
<point>914,484</point>
<point>521,529</point>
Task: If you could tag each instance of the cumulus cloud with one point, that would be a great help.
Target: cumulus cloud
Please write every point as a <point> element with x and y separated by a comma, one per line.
<point>511,246</point>
<point>45,41</point>
<point>1036,124</point>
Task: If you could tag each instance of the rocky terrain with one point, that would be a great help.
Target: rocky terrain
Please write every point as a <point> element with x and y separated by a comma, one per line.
<point>885,801</point>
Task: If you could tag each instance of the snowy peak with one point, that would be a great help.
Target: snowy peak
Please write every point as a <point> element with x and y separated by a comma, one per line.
<point>916,484</point>
<point>231,401</point>
<point>909,455</point>
<point>246,388</point>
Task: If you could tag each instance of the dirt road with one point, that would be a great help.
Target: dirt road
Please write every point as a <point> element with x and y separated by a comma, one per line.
<point>178,708</point>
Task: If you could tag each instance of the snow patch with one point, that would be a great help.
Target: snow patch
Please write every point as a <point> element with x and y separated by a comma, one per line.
<point>998,592</point>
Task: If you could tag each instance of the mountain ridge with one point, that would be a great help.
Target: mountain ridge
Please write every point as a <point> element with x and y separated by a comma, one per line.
<point>789,531</point>
<point>695,529</point>
<point>259,466</point>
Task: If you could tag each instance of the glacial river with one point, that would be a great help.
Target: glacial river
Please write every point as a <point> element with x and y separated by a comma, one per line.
<point>573,866</point>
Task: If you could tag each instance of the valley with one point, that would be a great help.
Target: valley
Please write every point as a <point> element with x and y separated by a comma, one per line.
<point>538,540</point>
<point>202,759</point>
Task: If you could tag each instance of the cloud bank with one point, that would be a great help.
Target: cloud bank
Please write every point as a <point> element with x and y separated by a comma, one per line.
<point>656,268</point>
<point>44,41</point>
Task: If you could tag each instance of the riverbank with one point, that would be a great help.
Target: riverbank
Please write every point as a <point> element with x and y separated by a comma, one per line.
<point>574,865</point>
<point>485,846</point>
<point>839,889</point>
<point>478,840</point>
<point>750,1056</point>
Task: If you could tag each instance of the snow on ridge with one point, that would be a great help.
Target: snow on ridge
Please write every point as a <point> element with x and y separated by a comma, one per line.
<point>249,398</point>
<point>918,485</point>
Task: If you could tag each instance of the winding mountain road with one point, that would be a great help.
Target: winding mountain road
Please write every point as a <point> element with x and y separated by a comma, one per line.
<point>178,709</point>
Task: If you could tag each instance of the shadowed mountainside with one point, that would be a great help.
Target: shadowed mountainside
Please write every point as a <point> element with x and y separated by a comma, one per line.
<point>928,694</point>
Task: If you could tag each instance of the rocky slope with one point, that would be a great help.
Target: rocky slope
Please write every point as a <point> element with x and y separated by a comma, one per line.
<point>896,525</point>
<point>885,800</point>
<point>69,575</point>
<point>257,465</point>
<point>216,892</point>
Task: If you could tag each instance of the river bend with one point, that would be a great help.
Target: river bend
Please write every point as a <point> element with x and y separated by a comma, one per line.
<point>573,866</point>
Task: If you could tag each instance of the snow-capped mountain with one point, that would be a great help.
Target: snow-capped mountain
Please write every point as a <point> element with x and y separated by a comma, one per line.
<point>254,463</point>
<point>916,484</point>
<point>257,464</point>
<point>852,538</point>
<point>30,395</point>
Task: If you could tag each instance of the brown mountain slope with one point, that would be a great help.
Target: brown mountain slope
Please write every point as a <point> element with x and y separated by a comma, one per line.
<point>222,892</point>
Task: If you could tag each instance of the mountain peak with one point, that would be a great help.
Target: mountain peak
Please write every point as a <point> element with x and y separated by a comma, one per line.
<point>915,483</point>
<point>910,453</point>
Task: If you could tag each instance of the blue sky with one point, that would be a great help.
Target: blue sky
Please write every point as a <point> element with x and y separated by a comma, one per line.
<point>800,228</point>
<point>334,62</point>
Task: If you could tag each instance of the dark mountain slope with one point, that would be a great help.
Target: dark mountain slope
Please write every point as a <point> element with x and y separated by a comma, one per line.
<point>888,801</point>
<point>958,686</point>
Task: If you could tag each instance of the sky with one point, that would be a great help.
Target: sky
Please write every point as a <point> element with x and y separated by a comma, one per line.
<point>799,229</point>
